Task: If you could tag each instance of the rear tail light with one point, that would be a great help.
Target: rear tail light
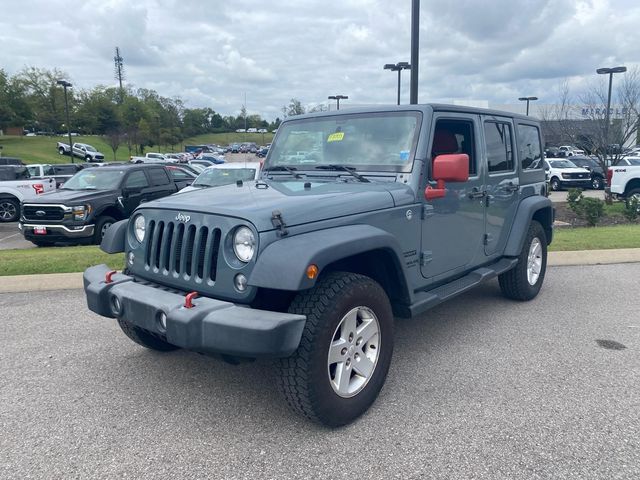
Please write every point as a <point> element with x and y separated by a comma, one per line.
<point>609,176</point>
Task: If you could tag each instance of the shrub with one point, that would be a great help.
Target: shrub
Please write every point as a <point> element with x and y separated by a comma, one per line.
<point>589,209</point>
<point>631,209</point>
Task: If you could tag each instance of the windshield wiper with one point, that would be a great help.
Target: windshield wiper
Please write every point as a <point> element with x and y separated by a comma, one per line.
<point>283,168</point>
<point>343,168</point>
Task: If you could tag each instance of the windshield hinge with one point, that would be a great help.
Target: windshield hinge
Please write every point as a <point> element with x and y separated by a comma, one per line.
<point>278,223</point>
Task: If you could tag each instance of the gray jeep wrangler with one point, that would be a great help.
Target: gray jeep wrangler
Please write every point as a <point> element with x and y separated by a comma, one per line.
<point>359,216</point>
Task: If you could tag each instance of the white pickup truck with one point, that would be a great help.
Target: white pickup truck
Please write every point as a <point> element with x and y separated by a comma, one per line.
<point>623,180</point>
<point>16,186</point>
<point>151,157</point>
<point>81,150</point>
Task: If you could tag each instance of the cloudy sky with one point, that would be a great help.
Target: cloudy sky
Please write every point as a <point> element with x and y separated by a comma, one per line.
<point>213,52</point>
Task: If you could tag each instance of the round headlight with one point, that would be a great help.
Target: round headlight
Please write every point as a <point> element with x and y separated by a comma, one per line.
<point>244,244</point>
<point>139,226</point>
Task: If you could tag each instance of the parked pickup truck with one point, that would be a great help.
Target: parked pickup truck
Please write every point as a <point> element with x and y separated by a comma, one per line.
<point>397,210</point>
<point>60,172</point>
<point>624,180</point>
<point>151,157</point>
<point>93,199</point>
<point>81,150</point>
<point>17,186</point>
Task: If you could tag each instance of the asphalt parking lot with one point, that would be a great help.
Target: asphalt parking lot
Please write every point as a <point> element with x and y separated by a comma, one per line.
<point>479,388</point>
<point>11,237</point>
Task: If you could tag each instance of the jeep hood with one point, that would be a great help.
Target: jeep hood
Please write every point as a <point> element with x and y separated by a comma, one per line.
<point>256,201</point>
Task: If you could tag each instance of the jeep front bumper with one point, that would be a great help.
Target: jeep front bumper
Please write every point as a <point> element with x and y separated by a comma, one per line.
<point>210,326</point>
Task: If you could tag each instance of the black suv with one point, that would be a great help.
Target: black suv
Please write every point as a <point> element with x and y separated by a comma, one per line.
<point>92,200</point>
<point>597,173</point>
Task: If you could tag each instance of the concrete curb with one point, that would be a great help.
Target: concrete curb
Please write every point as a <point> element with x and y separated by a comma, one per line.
<point>72,281</point>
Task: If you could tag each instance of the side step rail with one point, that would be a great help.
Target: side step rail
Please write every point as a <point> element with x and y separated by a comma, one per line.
<point>431,298</point>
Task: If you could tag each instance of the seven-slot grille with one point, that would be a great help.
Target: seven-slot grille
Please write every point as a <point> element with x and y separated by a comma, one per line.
<point>188,251</point>
<point>41,212</point>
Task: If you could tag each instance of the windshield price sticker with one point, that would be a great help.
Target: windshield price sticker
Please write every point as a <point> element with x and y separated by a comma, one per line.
<point>335,137</point>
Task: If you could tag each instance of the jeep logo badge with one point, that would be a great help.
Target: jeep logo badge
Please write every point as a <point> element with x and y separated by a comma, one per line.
<point>40,213</point>
<point>182,218</point>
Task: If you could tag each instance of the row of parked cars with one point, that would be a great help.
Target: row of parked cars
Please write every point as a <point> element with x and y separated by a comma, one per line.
<point>80,207</point>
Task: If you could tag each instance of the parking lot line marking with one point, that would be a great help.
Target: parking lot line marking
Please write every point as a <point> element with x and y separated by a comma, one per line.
<point>10,236</point>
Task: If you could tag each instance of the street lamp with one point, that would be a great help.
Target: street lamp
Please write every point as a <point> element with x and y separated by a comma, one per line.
<point>610,72</point>
<point>66,85</point>
<point>528,99</point>
<point>337,98</point>
<point>398,67</point>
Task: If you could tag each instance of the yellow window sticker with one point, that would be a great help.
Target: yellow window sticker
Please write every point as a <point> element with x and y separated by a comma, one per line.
<point>335,137</point>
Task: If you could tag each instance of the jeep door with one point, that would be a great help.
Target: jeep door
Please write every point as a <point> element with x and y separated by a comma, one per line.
<point>453,226</point>
<point>502,185</point>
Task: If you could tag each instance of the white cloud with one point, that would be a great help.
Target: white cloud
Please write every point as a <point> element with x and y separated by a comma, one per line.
<point>210,53</point>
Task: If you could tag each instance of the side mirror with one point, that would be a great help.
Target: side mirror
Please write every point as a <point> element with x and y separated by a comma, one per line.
<point>447,168</point>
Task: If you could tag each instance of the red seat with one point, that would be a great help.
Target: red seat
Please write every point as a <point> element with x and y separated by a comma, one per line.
<point>444,142</point>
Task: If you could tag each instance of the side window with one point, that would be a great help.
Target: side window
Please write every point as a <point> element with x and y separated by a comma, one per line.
<point>499,146</point>
<point>136,179</point>
<point>455,136</point>
<point>529,147</point>
<point>178,174</point>
<point>159,177</point>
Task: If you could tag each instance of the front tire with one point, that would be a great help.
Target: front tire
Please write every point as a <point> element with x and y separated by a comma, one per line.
<point>597,183</point>
<point>9,210</point>
<point>555,184</point>
<point>101,227</point>
<point>345,351</point>
<point>523,282</point>
<point>145,338</point>
<point>88,158</point>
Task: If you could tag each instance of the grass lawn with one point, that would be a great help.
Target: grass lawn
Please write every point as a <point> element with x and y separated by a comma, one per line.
<point>596,238</point>
<point>55,260</point>
<point>43,149</point>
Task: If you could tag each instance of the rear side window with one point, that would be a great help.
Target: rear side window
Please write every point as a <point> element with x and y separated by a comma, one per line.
<point>65,169</point>
<point>136,179</point>
<point>159,176</point>
<point>455,136</point>
<point>499,146</point>
<point>529,147</point>
<point>178,174</point>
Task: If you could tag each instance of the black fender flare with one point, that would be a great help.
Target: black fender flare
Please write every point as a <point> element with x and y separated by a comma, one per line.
<point>114,237</point>
<point>528,208</point>
<point>282,264</point>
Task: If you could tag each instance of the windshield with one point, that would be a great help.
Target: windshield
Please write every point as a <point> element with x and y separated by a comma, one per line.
<point>216,177</point>
<point>562,164</point>
<point>94,179</point>
<point>383,141</point>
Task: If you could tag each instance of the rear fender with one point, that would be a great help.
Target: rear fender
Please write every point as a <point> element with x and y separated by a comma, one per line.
<point>537,207</point>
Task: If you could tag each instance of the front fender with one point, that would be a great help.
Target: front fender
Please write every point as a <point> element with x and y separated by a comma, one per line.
<point>114,237</point>
<point>283,264</point>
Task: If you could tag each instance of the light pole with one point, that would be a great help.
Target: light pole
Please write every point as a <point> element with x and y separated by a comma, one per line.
<point>610,72</point>
<point>415,50</point>
<point>66,84</point>
<point>337,98</point>
<point>528,99</point>
<point>398,67</point>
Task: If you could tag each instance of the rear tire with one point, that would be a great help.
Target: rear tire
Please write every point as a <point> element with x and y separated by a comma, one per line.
<point>9,210</point>
<point>635,193</point>
<point>345,351</point>
<point>145,338</point>
<point>597,183</point>
<point>61,151</point>
<point>523,282</point>
<point>38,243</point>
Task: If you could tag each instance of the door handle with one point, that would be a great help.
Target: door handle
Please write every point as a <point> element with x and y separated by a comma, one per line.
<point>512,187</point>
<point>476,193</point>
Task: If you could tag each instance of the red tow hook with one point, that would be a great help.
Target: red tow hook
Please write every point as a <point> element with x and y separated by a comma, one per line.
<point>188,300</point>
<point>108,278</point>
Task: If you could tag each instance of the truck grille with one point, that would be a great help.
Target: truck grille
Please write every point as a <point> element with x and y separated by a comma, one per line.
<point>179,250</point>
<point>40,212</point>
<point>576,176</point>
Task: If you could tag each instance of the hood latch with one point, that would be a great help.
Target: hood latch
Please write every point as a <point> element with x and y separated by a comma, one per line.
<point>278,223</point>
